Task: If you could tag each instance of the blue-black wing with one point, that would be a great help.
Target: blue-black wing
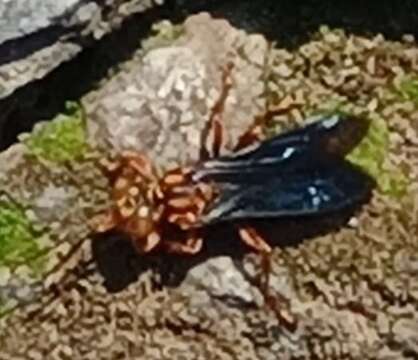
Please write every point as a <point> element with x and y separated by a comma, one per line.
<point>319,143</point>
<point>314,192</point>
<point>301,172</point>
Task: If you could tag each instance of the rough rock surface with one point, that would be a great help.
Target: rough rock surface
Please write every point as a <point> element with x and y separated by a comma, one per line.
<point>352,293</point>
<point>174,87</point>
<point>36,36</point>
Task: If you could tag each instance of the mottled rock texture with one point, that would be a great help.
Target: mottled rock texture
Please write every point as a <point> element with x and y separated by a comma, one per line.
<point>174,87</point>
<point>351,293</point>
<point>36,36</point>
<point>39,36</point>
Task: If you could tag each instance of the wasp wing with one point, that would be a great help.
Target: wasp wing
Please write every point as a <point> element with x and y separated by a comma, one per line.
<point>314,192</point>
<point>320,142</point>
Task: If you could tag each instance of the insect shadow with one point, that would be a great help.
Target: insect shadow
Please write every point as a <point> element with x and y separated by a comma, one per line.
<point>120,265</point>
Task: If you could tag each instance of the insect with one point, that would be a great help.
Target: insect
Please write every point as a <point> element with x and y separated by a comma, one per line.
<point>298,173</point>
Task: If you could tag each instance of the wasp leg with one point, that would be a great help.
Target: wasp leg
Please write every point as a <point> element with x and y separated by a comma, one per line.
<point>131,159</point>
<point>255,133</point>
<point>140,163</point>
<point>250,237</point>
<point>145,245</point>
<point>104,222</point>
<point>214,125</point>
<point>192,246</point>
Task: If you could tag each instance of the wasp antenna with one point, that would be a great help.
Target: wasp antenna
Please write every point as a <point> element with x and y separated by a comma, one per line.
<point>212,147</point>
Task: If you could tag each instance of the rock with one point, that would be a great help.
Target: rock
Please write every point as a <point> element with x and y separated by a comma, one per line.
<point>349,293</point>
<point>162,102</point>
<point>220,279</point>
<point>36,36</point>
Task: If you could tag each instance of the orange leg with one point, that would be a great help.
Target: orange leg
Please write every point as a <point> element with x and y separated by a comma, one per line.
<point>214,125</point>
<point>140,163</point>
<point>250,237</point>
<point>255,132</point>
<point>253,239</point>
<point>190,247</point>
<point>147,244</point>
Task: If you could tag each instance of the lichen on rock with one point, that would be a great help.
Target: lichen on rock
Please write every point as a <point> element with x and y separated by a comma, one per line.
<point>22,254</point>
<point>18,243</point>
<point>408,87</point>
<point>62,139</point>
<point>371,155</point>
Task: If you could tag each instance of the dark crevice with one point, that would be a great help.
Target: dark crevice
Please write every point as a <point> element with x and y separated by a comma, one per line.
<point>291,22</point>
<point>22,47</point>
<point>25,45</point>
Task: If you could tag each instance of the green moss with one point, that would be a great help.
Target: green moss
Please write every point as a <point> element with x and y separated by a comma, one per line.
<point>3,308</point>
<point>63,139</point>
<point>408,88</point>
<point>164,33</point>
<point>370,155</point>
<point>18,243</point>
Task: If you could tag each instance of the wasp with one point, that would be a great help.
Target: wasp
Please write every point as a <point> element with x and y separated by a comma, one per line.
<point>298,173</point>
